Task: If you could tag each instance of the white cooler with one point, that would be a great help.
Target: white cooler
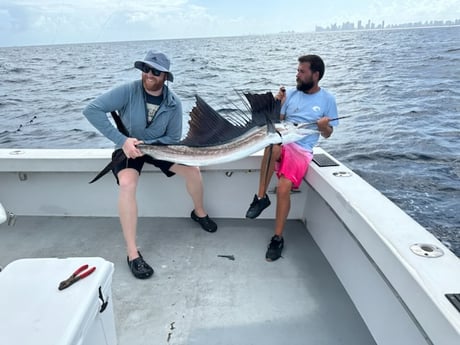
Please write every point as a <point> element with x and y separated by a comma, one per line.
<point>34,311</point>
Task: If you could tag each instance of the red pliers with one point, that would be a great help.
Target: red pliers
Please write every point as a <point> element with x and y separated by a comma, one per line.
<point>76,276</point>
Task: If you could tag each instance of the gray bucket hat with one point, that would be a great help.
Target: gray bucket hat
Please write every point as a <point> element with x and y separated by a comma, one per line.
<point>158,61</point>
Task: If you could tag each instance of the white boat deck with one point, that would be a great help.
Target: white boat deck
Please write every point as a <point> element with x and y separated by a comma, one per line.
<point>195,296</point>
<point>356,268</point>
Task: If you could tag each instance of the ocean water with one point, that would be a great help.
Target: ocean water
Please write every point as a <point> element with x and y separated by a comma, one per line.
<point>400,87</point>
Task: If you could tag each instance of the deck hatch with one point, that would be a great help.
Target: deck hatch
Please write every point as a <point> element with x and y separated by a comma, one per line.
<point>323,160</point>
<point>454,298</point>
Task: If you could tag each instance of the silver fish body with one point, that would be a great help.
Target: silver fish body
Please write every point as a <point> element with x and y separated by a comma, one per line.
<point>250,142</point>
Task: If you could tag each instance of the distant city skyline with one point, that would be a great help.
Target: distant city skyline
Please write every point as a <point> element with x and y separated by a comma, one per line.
<point>349,26</point>
<point>33,22</point>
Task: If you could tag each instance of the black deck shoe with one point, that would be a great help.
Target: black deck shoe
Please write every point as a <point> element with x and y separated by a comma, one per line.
<point>274,248</point>
<point>140,268</point>
<point>206,223</point>
<point>257,206</point>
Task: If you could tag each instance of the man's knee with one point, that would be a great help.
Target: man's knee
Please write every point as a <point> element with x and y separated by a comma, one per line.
<point>284,186</point>
<point>274,151</point>
<point>128,180</point>
<point>193,172</point>
<point>186,171</point>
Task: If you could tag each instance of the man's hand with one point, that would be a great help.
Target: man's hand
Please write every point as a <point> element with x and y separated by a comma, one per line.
<point>281,95</point>
<point>323,127</point>
<point>130,149</point>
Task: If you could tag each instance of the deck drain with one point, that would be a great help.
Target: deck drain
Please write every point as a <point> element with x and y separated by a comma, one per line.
<point>342,174</point>
<point>16,152</point>
<point>427,250</point>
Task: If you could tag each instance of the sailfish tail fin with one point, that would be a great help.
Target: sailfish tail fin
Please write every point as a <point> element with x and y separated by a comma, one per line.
<point>117,158</point>
<point>119,155</point>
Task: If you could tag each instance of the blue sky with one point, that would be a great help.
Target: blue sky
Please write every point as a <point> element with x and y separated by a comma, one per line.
<point>35,22</point>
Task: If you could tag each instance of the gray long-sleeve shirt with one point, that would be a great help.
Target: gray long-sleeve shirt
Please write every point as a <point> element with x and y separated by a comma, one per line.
<point>129,100</point>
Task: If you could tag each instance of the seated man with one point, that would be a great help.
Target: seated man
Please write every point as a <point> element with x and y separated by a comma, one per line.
<point>150,112</point>
<point>306,103</point>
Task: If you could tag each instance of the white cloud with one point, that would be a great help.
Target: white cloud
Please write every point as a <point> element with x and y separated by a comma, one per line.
<point>87,20</point>
<point>53,21</point>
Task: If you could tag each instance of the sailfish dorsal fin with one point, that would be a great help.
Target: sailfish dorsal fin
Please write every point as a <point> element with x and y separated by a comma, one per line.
<point>209,128</point>
<point>264,108</point>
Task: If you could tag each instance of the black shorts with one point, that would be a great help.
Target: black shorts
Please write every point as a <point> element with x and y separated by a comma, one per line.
<point>138,163</point>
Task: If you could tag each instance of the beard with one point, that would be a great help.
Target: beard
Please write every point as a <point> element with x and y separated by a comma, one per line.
<point>304,86</point>
<point>152,84</point>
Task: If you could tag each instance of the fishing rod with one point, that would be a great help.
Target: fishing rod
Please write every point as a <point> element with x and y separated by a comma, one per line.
<point>339,118</point>
<point>314,123</point>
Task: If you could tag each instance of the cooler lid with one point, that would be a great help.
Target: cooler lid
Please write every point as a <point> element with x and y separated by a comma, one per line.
<point>34,311</point>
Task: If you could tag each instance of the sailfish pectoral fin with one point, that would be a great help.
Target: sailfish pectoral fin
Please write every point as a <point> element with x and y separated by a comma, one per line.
<point>117,158</point>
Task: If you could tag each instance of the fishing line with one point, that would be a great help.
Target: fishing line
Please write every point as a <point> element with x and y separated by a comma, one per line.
<point>267,167</point>
<point>108,19</point>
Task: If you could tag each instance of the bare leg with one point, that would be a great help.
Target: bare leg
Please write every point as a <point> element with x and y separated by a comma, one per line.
<point>267,168</point>
<point>283,204</point>
<point>194,185</point>
<point>127,208</point>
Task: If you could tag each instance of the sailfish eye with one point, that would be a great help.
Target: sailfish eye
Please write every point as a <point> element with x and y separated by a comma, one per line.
<point>295,124</point>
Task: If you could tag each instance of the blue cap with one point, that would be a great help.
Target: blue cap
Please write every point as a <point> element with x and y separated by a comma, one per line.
<point>158,61</point>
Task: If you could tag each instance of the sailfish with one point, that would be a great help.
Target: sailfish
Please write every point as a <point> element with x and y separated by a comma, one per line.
<point>215,139</point>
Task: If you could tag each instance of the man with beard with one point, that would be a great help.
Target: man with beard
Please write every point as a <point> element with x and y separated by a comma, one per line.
<point>150,113</point>
<point>306,103</point>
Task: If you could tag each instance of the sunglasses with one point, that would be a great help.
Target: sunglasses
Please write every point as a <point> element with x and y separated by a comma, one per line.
<point>146,69</point>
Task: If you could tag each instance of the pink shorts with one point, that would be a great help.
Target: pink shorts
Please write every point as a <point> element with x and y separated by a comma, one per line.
<point>293,163</point>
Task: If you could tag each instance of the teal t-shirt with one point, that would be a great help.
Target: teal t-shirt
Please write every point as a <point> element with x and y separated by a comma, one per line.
<point>301,107</point>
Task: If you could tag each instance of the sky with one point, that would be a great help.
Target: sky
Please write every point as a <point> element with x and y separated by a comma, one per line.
<point>37,22</point>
